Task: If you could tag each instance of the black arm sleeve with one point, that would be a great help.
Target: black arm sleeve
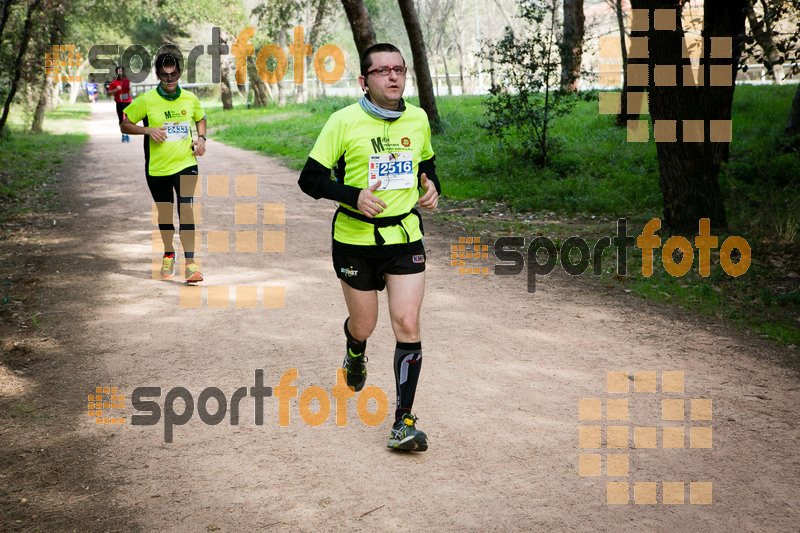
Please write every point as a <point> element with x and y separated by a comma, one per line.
<point>428,167</point>
<point>315,180</point>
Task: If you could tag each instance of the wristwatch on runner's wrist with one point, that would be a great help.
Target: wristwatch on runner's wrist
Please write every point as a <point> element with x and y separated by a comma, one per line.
<point>203,136</point>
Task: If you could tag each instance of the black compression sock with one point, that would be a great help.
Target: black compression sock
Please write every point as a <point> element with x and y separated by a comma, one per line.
<point>407,363</point>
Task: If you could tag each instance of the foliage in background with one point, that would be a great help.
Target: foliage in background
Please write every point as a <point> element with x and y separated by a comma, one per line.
<point>526,97</point>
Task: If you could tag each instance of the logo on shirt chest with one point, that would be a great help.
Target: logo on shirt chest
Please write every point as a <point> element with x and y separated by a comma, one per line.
<point>174,114</point>
<point>383,144</point>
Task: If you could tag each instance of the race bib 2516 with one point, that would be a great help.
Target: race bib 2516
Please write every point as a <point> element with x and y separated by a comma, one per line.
<point>395,171</point>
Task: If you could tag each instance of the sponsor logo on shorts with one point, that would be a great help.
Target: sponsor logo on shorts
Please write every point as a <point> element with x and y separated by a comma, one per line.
<point>418,258</point>
<point>349,272</point>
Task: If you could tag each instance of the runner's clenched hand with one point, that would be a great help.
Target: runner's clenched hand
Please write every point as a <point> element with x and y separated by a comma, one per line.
<point>199,147</point>
<point>430,199</point>
<point>158,135</point>
<point>368,203</point>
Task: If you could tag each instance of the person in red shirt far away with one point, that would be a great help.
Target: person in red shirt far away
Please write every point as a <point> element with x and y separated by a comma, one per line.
<point>121,89</point>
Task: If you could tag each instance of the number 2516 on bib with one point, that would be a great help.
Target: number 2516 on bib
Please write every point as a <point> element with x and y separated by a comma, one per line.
<point>395,171</point>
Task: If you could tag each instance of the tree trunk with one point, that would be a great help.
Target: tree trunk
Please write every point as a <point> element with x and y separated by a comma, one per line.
<point>461,70</point>
<point>45,93</point>
<point>793,124</point>
<point>257,85</point>
<point>508,20</point>
<point>447,74</point>
<point>762,32</point>
<point>4,16</point>
<point>41,106</point>
<point>225,87</point>
<point>75,86</point>
<point>688,171</point>
<point>313,34</point>
<point>572,44</point>
<point>23,47</point>
<point>624,116</point>
<point>224,80</point>
<point>281,88</point>
<point>360,23</point>
<point>424,86</point>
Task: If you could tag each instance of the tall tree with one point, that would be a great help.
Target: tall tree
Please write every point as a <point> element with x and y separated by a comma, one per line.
<point>313,35</point>
<point>624,113</point>
<point>23,47</point>
<point>276,18</point>
<point>427,100</point>
<point>257,85</point>
<point>228,20</point>
<point>56,17</point>
<point>689,164</point>
<point>360,23</point>
<point>225,94</point>
<point>572,44</point>
<point>773,40</point>
<point>4,16</point>
<point>762,32</point>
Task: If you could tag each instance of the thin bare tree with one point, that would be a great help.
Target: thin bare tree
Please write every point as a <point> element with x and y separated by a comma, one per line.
<point>427,100</point>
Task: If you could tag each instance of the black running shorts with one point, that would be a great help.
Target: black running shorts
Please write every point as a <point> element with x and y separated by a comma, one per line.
<point>366,273</point>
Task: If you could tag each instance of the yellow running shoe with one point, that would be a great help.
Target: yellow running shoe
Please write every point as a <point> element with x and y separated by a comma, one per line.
<point>192,273</point>
<point>406,436</point>
<point>167,267</point>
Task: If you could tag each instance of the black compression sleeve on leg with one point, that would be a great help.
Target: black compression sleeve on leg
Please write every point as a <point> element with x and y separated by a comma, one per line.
<point>407,364</point>
<point>354,345</point>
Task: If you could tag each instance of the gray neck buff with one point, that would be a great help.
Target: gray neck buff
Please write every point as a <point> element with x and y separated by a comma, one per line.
<point>381,113</point>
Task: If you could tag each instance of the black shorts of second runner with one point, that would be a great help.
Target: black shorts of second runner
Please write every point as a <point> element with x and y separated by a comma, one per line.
<point>121,108</point>
<point>366,273</point>
<point>162,187</point>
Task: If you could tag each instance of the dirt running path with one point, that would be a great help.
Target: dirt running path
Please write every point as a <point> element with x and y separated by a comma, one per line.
<point>499,395</point>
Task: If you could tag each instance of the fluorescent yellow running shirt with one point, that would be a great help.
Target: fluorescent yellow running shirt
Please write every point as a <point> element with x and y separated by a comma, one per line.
<point>358,144</point>
<point>179,116</point>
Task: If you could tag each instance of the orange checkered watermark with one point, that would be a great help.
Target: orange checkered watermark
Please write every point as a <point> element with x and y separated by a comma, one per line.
<point>59,59</point>
<point>258,230</point>
<point>640,75</point>
<point>468,248</point>
<point>103,399</point>
<point>615,436</point>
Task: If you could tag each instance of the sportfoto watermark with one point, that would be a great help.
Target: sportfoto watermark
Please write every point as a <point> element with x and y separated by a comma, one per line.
<point>299,50</point>
<point>284,392</point>
<point>647,242</point>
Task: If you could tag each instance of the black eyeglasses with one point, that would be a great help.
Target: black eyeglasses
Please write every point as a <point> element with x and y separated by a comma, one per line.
<point>385,71</point>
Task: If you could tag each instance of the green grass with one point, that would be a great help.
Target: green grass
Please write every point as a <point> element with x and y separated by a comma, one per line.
<point>762,179</point>
<point>287,133</point>
<point>474,165</point>
<point>30,162</point>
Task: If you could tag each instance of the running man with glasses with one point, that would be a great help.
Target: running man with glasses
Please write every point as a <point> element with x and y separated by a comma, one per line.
<point>169,153</point>
<point>383,165</point>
